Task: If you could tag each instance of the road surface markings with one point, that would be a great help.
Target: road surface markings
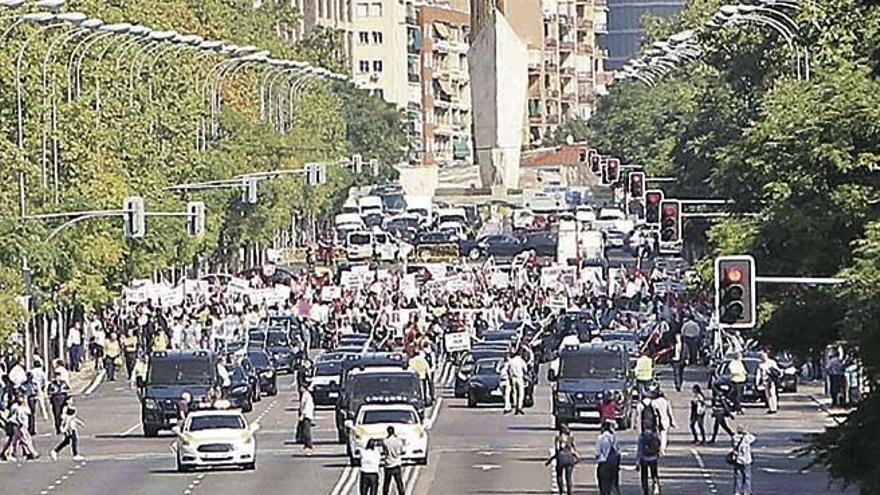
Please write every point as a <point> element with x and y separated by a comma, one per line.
<point>486,467</point>
<point>130,430</point>
<point>63,477</point>
<point>435,412</point>
<point>95,383</point>
<point>342,482</point>
<point>710,483</point>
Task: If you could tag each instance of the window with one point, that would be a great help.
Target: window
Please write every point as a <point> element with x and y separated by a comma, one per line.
<point>361,10</point>
<point>364,66</point>
<point>377,66</point>
<point>377,37</point>
<point>363,37</point>
<point>375,10</point>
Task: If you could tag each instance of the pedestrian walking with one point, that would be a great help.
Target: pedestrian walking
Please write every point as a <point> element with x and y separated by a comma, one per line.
<point>517,369</point>
<point>691,332</point>
<point>679,361</point>
<point>504,384</point>
<point>834,370</point>
<point>721,411</point>
<point>29,390</point>
<point>61,372</point>
<point>741,460</point>
<point>738,377</point>
<point>566,456</point>
<point>306,418</point>
<point>129,352</point>
<point>112,356</point>
<point>647,459</point>
<point>70,425</point>
<point>769,374</point>
<point>665,416</point>
<point>698,415</point>
<point>59,392</point>
<point>74,346</point>
<point>40,380</point>
<point>608,461</point>
<point>394,450</point>
<point>371,460</point>
<point>644,372</point>
<point>17,421</point>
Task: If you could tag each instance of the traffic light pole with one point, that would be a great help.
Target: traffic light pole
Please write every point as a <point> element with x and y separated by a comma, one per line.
<point>79,216</point>
<point>801,280</point>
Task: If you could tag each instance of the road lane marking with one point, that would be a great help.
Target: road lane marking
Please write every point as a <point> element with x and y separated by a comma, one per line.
<point>710,483</point>
<point>130,430</point>
<point>95,383</point>
<point>411,482</point>
<point>349,486</point>
<point>341,482</point>
<point>435,412</point>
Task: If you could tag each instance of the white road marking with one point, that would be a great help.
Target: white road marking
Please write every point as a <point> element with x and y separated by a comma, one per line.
<point>341,482</point>
<point>130,430</point>
<point>95,383</point>
<point>486,467</point>
<point>435,411</point>
<point>710,483</point>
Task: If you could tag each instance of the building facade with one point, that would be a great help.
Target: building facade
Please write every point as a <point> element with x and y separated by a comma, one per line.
<point>625,31</point>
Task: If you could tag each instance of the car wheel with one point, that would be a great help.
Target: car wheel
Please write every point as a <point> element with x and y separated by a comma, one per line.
<point>250,466</point>
<point>423,461</point>
<point>472,399</point>
<point>273,391</point>
<point>150,432</point>
<point>247,407</point>
<point>474,254</point>
<point>182,468</point>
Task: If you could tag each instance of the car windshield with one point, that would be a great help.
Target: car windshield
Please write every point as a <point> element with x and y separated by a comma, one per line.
<point>219,422</point>
<point>183,371</point>
<point>395,416</point>
<point>257,336</point>
<point>592,365</point>
<point>498,336</point>
<point>278,339</point>
<point>488,367</point>
<point>385,386</point>
<point>359,239</point>
<point>259,359</point>
<point>329,368</point>
<point>393,202</point>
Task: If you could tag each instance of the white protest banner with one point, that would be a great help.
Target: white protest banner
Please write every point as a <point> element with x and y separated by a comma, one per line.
<point>408,286</point>
<point>331,293</point>
<point>556,276</point>
<point>557,301</point>
<point>457,341</point>
<point>500,279</point>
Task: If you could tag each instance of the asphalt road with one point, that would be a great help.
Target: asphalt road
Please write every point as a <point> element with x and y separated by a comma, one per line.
<point>473,451</point>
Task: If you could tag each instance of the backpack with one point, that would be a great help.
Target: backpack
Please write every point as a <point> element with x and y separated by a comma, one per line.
<point>650,418</point>
<point>652,445</point>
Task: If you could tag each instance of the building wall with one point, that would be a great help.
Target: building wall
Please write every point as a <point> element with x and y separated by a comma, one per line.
<point>625,31</point>
<point>378,33</point>
<point>445,85</point>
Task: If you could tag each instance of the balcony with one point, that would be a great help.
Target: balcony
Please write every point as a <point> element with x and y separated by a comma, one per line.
<point>585,24</point>
<point>553,119</point>
<point>535,119</point>
<point>567,70</point>
<point>553,93</point>
<point>569,96</point>
<point>550,66</point>
<point>534,67</point>
<point>566,46</point>
<point>600,3</point>
<point>550,42</point>
<point>584,48</point>
<point>445,46</point>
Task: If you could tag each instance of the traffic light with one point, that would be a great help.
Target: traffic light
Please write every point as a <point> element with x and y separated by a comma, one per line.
<point>311,174</point>
<point>595,160</point>
<point>670,221</point>
<point>195,218</point>
<point>611,171</point>
<point>249,194</point>
<point>735,291</point>
<point>637,185</point>
<point>358,164</point>
<point>374,167</point>
<point>652,206</point>
<point>321,173</point>
<point>134,217</point>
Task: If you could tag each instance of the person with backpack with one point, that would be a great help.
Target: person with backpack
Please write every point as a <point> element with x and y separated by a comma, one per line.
<point>608,461</point>
<point>647,458</point>
<point>769,374</point>
<point>698,414</point>
<point>566,456</point>
<point>740,458</point>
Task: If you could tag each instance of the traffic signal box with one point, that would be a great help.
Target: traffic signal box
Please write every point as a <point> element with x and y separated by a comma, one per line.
<point>735,300</point>
<point>670,221</point>
<point>636,186</point>
<point>652,207</point>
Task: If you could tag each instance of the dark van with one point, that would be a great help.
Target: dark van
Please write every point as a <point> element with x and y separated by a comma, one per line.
<point>377,386</point>
<point>584,373</point>
<point>170,374</point>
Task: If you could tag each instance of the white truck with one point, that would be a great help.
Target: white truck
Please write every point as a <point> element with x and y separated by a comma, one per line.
<point>575,242</point>
<point>369,205</point>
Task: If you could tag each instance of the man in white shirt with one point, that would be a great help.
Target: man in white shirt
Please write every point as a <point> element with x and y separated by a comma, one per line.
<point>306,417</point>
<point>17,375</point>
<point>74,346</point>
<point>517,369</point>
<point>768,373</point>
<point>667,419</point>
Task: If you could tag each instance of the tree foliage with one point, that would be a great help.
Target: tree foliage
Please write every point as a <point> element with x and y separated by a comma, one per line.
<point>135,121</point>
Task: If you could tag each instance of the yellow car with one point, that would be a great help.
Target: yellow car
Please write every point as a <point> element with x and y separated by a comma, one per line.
<point>216,438</point>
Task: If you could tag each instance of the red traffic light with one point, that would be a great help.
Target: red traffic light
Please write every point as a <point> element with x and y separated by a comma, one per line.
<point>637,178</point>
<point>734,275</point>
<point>653,198</point>
<point>670,210</point>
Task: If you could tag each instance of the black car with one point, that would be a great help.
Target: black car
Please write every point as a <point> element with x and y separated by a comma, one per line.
<point>499,246</point>
<point>284,354</point>
<point>240,392</point>
<point>788,382</point>
<point>580,323</point>
<point>266,371</point>
<point>466,369</point>
<point>325,381</point>
<point>256,338</point>
<point>170,375</point>
<point>542,243</point>
<point>377,386</point>
<point>585,372</point>
<point>501,336</point>
<point>484,385</point>
<point>752,391</point>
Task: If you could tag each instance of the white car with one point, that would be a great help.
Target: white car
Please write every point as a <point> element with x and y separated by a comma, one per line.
<point>372,422</point>
<point>216,438</point>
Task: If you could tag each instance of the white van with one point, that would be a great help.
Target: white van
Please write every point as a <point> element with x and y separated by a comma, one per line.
<point>369,205</point>
<point>421,206</point>
<point>452,215</point>
<point>359,245</point>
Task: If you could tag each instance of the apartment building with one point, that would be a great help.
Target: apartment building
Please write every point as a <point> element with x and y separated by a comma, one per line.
<point>438,72</point>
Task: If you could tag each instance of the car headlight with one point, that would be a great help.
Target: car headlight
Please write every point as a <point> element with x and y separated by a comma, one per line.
<point>248,439</point>
<point>151,404</point>
<point>561,397</point>
<point>186,441</point>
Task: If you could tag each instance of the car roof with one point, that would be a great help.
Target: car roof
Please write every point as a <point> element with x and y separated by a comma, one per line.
<point>380,370</point>
<point>387,407</point>
<point>215,412</point>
